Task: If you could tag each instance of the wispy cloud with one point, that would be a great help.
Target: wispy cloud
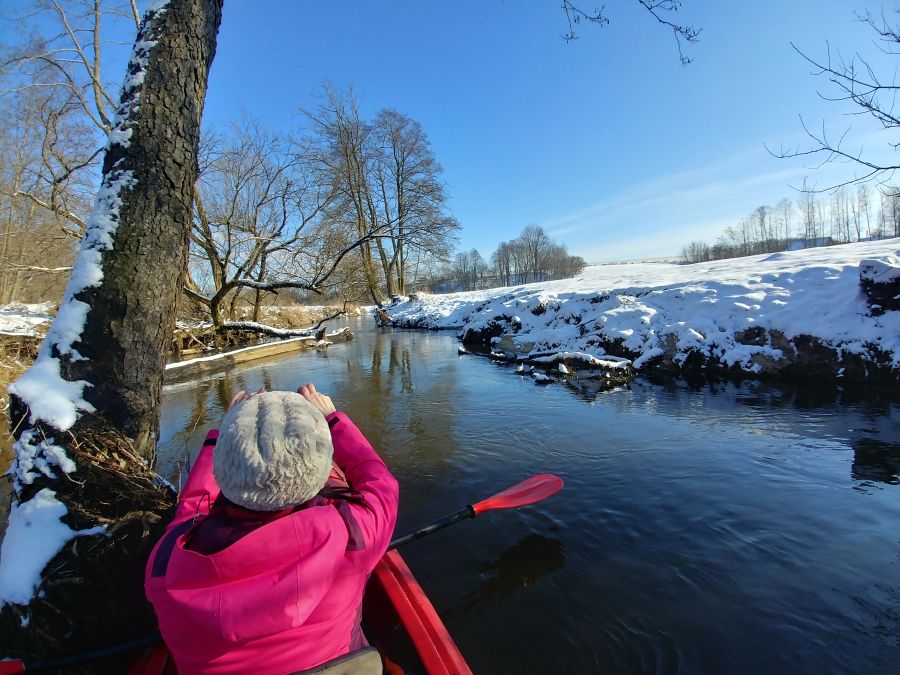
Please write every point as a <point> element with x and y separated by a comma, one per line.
<point>660,215</point>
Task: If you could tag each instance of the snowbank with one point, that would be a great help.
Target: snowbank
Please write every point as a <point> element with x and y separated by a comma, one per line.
<point>25,319</point>
<point>35,534</point>
<point>749,314</point>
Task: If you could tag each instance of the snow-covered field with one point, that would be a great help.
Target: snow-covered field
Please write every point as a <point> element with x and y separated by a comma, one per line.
<point>655,310</point>
<point>23,319</point>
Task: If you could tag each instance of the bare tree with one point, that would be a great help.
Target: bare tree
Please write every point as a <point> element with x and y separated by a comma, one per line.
<point>35,253</point>
<point>502,262</point>
<point>785,210</point>
<point>696,252</point>
<point>256,207</point>
<point>867,92</point>
<point>535,244</point>
<point>462,270</point>
<point>890,211</point>
<point>346,157</point>
<point>412,196</point>
<point>861,210</point>
<point>64,69</point>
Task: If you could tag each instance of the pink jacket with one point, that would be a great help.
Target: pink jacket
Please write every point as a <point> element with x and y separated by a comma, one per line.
<point>288,595</point>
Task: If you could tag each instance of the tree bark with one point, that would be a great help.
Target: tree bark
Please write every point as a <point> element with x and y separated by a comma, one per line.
<point>371,276</point>
<point>132,312</point>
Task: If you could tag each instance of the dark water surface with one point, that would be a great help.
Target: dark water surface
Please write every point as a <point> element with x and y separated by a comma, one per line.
<point>703,529</point>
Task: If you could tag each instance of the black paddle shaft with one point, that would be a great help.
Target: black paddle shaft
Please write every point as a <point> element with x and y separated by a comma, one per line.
<point>467,512</point>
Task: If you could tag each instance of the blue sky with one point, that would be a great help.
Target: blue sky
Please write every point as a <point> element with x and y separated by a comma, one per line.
<point>610,143</point>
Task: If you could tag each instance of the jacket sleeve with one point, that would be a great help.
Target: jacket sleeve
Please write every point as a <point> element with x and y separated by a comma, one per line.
<point>366,473</point>
<point>201,489</point>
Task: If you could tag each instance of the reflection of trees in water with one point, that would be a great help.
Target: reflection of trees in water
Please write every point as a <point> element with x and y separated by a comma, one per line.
<point>401,403</point>
<point>875,460</point>
<point>867,419</point>
<point>519,566</point>
<point>208,399</point>
<point>266,377</point>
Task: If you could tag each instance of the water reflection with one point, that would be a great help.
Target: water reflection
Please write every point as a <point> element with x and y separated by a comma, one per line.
<point>877,461</point>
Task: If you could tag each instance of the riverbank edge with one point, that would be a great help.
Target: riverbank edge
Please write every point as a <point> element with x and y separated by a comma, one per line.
<point>803,357</point>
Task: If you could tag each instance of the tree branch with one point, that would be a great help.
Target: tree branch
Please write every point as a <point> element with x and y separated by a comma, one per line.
<point>55,209</point>
<point>682,32</point>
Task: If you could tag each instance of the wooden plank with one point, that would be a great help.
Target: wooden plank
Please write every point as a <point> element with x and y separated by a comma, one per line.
<point>182,370</point>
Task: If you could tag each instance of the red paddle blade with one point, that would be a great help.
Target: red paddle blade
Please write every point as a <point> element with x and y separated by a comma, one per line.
<point>529,491</point>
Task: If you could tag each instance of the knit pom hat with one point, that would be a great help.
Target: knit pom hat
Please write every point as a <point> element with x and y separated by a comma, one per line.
<point>274,451</point>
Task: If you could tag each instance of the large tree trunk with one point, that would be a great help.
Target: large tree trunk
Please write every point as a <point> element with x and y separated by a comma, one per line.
<point>258,293</point>
<point>108,345</point>
<point>371,276</point>
<point>133,311</point>
<point>387,268</point>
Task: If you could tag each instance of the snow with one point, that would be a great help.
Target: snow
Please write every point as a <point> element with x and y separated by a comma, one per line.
<point>25,319</point>
<point>609,362</point>
<point>702,307</point>
<point>880,270</point>
<point>50,397</point>
<point>269,330</point>
<point>34,535</point>
<point>36,456</point>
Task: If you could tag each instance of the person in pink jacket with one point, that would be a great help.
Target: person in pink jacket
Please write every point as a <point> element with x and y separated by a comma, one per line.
<point>264,566</point>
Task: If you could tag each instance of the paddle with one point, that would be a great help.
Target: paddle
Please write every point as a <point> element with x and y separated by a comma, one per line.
<point>529,491</point>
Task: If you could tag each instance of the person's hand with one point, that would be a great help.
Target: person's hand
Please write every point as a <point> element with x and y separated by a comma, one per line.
<point>320,401</point>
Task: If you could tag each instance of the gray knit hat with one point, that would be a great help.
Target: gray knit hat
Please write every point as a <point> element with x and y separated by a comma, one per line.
<point>274,451</point>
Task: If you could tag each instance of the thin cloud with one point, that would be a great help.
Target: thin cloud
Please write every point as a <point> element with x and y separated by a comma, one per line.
<point>658,216</point>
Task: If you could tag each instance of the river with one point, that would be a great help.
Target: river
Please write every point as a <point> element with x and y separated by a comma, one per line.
<point>704,528</point>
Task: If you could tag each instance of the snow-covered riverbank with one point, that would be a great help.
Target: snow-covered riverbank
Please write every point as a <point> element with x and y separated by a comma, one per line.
<point>22,319</point>
<point>791,311</point>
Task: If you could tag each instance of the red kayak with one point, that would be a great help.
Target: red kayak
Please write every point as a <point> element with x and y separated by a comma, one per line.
<point>402,624</point>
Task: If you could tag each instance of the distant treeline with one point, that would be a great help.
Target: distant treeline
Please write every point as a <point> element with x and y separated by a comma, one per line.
<point>848,214</point>
<point>532,256</point>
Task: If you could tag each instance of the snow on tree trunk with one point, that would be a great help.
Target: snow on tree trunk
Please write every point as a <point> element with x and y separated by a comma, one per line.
<point>106,348</point>
<point>86,414</point>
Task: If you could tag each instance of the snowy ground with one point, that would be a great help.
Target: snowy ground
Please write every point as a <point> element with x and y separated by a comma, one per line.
<point>23,319</point>
<point>657,310</point>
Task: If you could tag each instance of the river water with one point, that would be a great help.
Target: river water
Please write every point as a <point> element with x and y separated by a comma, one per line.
<point>704,528</point>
